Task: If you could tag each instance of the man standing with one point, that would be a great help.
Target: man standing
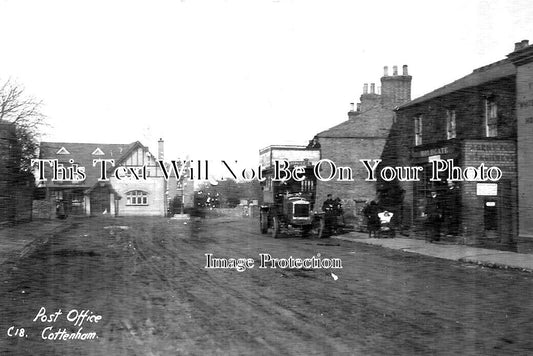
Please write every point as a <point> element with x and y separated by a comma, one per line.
<point>371,212</point>
<point>339,213</point>
<point>329,209</point>
<point>434,217</point>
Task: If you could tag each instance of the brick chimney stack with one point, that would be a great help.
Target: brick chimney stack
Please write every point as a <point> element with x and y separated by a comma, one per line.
<point>161,149</point>
<point>520,45</point>
<point>369,99</point>
<point>353,111</point>
<point>395,89</point>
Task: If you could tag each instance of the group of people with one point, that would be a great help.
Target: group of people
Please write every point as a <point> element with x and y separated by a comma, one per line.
<point>379,220</point>
<point>433,213</point>
<point>376,216</point>
<point>373,212</point>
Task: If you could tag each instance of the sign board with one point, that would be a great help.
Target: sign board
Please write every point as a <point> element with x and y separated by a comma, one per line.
<point>434,151</point>
<point>487,189</point>
<point>296,155</point>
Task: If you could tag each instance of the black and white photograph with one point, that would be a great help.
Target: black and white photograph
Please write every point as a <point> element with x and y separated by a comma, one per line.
<point>266,177</point>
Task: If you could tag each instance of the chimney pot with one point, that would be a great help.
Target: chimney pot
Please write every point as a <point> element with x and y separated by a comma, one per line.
<point>365,88</point>
<point>372,88</point>
<point>405,70</point>
<point>525,43</point>
<point>352,107</point>
<point>385,71</point>
<point>395,70</point>
<point>358,106</point>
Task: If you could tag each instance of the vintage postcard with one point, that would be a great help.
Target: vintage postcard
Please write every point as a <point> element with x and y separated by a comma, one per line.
<point>272,177</point>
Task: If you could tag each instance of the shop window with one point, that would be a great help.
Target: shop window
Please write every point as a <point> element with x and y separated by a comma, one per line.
<point>39,194</point>
<point>56,195</point>
<point>418,130</point>
<point>451,131</point>
<point>491,118</point>
<point>136,197</point>
<point>307,185</point>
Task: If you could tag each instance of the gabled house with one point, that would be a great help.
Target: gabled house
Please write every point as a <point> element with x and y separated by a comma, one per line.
<point>136,190</point>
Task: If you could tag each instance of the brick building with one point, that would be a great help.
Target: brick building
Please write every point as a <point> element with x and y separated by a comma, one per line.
<point>362,136</point>
<point>125,196</point>
<point>522,58</point>
<point>482,118</point>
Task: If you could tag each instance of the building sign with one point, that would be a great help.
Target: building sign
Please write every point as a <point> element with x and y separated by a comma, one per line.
<point>295,155</point>
<point>494,152</point>
<point>487,189</point>
<point>433,152</point>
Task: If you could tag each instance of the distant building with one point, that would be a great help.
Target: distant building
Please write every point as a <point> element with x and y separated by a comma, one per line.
<point>482,118</point>
<point>147,195</point>
<point>362,136</point>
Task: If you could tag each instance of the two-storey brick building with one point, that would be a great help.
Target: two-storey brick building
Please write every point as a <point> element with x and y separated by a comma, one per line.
<point>362,136</point>
<point>476,120</point>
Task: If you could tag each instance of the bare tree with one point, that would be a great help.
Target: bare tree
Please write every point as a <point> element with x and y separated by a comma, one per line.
<point>24,112</point>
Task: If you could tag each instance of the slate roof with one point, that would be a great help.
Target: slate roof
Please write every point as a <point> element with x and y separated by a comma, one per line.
<point>373,123</point>
<point>479,76</point>
<point>81,153</point>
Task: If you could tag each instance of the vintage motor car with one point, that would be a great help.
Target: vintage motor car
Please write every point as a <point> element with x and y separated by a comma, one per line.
<point>288,204</point>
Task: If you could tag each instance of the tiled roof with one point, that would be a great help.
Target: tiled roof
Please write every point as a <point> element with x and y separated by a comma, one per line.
<point>374,123</point>
<point>482,75</point>
<point>82,154</point>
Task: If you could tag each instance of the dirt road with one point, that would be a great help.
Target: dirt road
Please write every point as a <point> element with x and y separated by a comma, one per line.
<point>147,280</point>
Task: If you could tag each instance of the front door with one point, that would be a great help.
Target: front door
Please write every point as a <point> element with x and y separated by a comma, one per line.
<point>100,203</point>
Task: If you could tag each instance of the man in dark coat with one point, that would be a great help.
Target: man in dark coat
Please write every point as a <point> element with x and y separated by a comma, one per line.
<point>329,209</point>
<point>339,212</point>
<point>371,212</point>
<point>434,217</point>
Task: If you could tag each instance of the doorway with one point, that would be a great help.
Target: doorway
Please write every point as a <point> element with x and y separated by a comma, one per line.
<point>100,202</point>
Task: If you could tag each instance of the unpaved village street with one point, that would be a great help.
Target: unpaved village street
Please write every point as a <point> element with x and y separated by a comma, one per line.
<point>139,286</point>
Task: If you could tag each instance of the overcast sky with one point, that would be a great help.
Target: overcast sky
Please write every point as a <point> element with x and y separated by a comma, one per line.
<point>222,79</point>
